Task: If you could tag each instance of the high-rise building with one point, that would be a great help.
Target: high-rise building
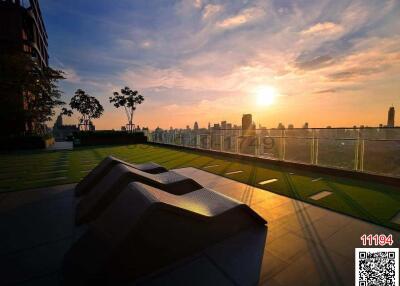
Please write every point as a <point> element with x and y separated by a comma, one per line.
<point>223,124</point>
<point>391,113</point>
<point>247,144</point>
<point>196,126</point>
<point>247,122</point>
<point>22,31</point>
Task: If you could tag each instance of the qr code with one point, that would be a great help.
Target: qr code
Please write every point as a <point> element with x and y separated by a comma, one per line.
<point>377,267</point>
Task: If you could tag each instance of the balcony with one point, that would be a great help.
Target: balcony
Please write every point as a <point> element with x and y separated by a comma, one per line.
<point>366,150</point>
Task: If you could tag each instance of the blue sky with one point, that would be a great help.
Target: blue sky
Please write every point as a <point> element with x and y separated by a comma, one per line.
<point>328,62</point>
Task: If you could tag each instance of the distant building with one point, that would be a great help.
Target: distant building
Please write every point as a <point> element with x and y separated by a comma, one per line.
<point>391,113</point>
<point>290,126</point>
<point>248,142</point>
<point>305,126</point>
<point>223,124</point>
<point>62,132</point>
<point>247,124</point>
<point>196,126</point>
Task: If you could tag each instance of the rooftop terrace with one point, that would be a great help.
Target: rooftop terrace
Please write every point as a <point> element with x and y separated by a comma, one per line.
<point>306,239</point>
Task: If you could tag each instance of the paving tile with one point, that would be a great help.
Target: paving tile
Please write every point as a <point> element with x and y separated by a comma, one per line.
<point>233,172</point>
<point>243,193</point>
<point>17,199</point>
<point>270,282</point>
<point>275,231</point>
<point>271,265</point>
<point>36,262</point>
<point>198,272</point>
<point>274,201</point>
<point>317,266</point>
<point>348,238</point>
<point>210,166</point>
<point>330,218</point>
<point>317,231</point>
<point>54,279</point>
<point>320,195</point>
<point>268,181</point>
<point>289,246</point>
<point>36,224</point>
<point>242,264</point>
<point>271,214</point>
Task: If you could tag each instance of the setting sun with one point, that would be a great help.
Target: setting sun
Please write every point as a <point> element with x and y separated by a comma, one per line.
<point>265,95</point>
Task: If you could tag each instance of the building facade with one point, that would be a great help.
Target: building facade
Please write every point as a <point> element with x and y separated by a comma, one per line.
<point>22,31</point>
<point>391,113</point>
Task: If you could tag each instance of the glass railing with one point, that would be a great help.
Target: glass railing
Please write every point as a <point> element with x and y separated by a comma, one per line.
<point>371,150</point>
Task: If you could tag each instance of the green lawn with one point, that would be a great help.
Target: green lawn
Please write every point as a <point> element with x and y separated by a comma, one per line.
<point>367,200</point>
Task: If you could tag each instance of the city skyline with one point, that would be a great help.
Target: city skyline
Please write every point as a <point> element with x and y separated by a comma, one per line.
<point>224,124</point>
<point>327,63</point>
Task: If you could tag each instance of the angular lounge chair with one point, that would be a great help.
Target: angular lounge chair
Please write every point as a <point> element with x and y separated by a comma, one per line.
<point>101,195</point>
<point>105,166</point>
<point>146,229</point>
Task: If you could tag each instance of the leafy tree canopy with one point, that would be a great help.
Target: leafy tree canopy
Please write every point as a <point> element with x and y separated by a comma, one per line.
<point>88,106</point>
<point>128,99</point>
<point>28,89</point>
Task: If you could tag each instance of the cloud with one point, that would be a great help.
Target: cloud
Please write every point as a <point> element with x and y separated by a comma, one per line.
<point>146,44</point>
<point>210,10</point>
<point>315,63</point>
<point>356,73</point>
<point>71,75</point>
<point>245,16</point>
<point>197,3</point>
<point>330,90</point>
<point>189,53</point>
<point>324,29</point>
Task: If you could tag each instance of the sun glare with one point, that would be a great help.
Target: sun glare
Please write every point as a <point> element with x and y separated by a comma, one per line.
<point>265,95</point>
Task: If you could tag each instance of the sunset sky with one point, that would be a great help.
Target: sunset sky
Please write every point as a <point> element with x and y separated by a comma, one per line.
<point>325,62</point>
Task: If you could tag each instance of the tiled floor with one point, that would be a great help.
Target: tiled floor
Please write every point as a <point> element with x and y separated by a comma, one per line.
<point>304,242</point>
<point>306,245</point>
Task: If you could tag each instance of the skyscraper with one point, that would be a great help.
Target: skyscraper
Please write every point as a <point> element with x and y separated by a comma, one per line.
<point>247,144</point>
<point>390,121</point>
<point>247,121</point>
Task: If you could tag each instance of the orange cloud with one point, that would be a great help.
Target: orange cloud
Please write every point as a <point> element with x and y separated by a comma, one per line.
<point>323,28</point>
<point>247,15</point>
<point>210,10</point>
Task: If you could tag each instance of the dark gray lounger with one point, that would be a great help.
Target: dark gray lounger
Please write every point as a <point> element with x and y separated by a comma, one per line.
<point>146,229</point>
<point>105,166</point>
<point>108,187</point>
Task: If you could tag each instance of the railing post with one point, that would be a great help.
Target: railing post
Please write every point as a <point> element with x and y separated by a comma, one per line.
<point>313,147</point>
<point>357,151</point>
<point>316,151</point>
<point>283,134</point>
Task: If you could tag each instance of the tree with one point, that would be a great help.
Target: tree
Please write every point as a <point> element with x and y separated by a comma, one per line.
<point>128,99</point>
<point>88,106</point>
<point>29,93</point>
